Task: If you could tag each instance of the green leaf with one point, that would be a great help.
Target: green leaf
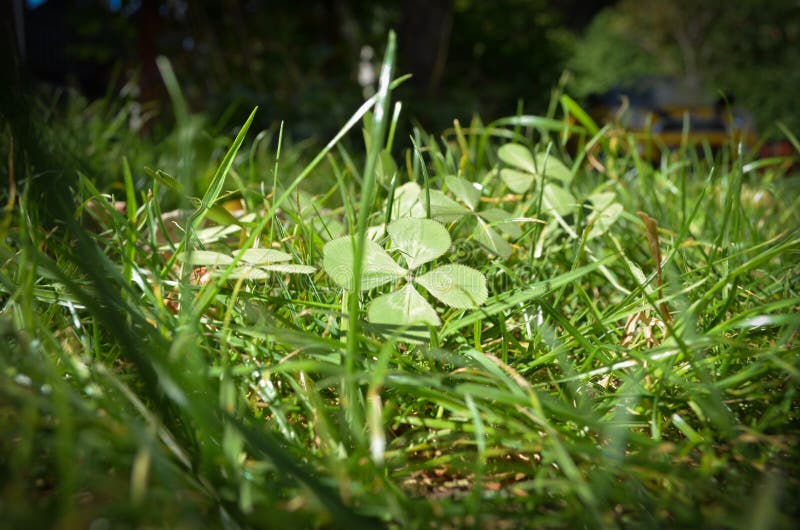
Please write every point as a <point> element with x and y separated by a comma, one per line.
<point>601,220</point>
<point>419,240</point>
<point>327,228</point>
<point>291,268</point>
<point>464,190</point>
<point>443,208</point>
<point>602,200</point>
<point>409,201</point>
<point>491,240</point>
<point>217,213</point>
<point>502,220</point>
<point>215,187</point>
<point>259,256</point>
<point>164,179</point>
<point>507,299</point>
<point>406,198</point>
<point>517,156</point>
<point>387,168</point>
<point>307,210</point>
<point>456,285</point>
<point>379,268</point>
<point>215,233</point>
<point>552,167</point>
<point>249,273</point>
<point>573,108</point>
<point>204,257</point>
<point>405,307</point>
<point>517,181</point>
<point>557,199</point>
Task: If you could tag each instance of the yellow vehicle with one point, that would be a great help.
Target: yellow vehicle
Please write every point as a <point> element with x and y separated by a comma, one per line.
<point>667,113</point>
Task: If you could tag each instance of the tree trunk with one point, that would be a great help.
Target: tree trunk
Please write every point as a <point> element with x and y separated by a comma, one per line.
<point>425,40</point>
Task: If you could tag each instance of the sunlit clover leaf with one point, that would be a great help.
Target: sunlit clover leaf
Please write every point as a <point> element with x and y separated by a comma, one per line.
<point>464,190</point>
<point>258,273</point>
<point>484,232</point>
<point>519,176</point>
<point>249,273</point>
<point>558,200</point>
<point>406,197</point>
<point>378,266</point>
<point>552,167</point>
<point>606,212</point>
<point>443,208</point>
<point>419,240</point>
<point>402,308</point>
<point>259,256</point>
<point>257,263</point>
<point>502,220</point>
<point>409,201</point>
<point>517,156</point>
<point>261,261</point>
<point>491,240</point>
<point>602,200</point>
<point>517,181</point>
<point>215,233</point>
<point>601,220</point>
<point>456,285</point>
<point>524,167</point>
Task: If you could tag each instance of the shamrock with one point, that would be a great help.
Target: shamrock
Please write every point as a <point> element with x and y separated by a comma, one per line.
<point>418,241</point>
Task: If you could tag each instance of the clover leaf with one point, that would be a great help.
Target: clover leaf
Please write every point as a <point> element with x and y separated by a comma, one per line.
<point>517,156</point>
<point>405,307</point>
<point>419,241</point>
<point>257,263</point>
<point>605,213</point>
<point>410,201</point>
<point>520,158</point>
<point>556,199</point>
<point>456,285</point>
<point>517,181</point>
<point>526,167</point>
<point>378,268</point>
<point>484,232</point>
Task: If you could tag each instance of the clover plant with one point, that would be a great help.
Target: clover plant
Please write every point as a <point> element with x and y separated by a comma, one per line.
<point>418,241</point>
<point>525,168</point>
<point>410,201</point>
<point>257,263</point>
<point>470,194</point>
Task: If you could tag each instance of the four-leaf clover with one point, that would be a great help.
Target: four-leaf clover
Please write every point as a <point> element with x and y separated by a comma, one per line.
<point>418,241</point>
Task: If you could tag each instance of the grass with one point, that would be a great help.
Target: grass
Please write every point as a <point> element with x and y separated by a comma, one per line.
<point>627,370</point>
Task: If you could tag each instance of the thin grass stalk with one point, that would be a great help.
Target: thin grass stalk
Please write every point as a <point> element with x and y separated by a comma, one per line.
<point>381,117</point>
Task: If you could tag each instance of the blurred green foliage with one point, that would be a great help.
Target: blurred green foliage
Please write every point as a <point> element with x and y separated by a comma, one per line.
<point>299,61</point>
<point>749,50</point>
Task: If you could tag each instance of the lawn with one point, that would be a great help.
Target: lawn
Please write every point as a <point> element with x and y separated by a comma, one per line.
<point>516,324</point>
